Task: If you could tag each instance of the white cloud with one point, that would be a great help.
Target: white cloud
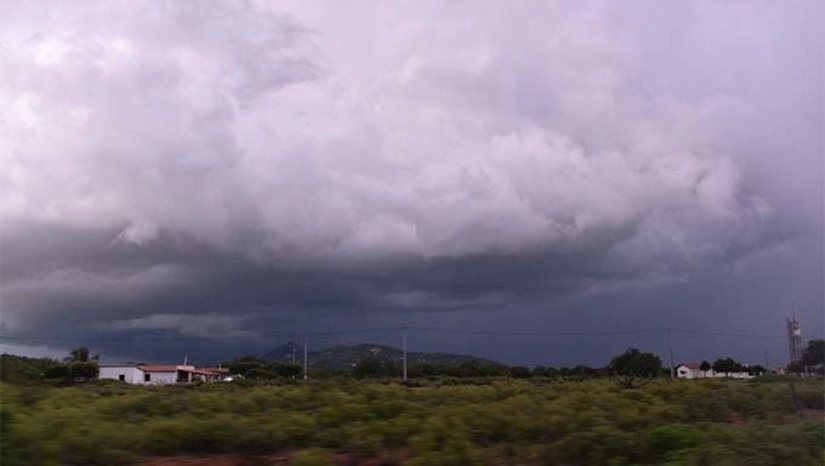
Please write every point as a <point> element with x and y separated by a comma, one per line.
<point>382,130</point>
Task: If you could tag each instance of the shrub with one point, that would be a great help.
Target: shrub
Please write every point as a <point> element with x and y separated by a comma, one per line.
<point>461,421</point>
<point>313,457</point>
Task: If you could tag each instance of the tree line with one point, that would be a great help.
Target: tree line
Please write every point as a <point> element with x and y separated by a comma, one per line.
<point>631,368</point>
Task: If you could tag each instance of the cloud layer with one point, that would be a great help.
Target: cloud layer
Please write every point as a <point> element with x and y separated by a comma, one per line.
<point>246,159</point>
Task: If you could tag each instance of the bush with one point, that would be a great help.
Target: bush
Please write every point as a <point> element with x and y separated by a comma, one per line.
<point>313,457</point>
<point>459,421</point>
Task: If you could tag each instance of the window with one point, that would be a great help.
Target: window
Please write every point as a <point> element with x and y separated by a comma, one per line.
<point>147,377</point>
<point>122,377</point>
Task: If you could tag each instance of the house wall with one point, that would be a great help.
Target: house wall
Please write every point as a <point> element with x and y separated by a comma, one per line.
<point>734,375</point>
<point>684,372</point>
<point>135,375</point>
<point>162,377</point>
<point>131,374</point>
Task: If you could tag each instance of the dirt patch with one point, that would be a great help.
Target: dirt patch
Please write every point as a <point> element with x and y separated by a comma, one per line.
<point>282,459</point>
<point>736,421</point>
<point>815,414</point>
<point>218,460</point>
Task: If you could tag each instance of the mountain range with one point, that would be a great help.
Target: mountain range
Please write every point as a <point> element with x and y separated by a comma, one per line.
<point>347,356</point>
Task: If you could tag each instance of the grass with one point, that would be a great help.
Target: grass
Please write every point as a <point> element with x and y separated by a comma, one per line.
<point>502,421</point>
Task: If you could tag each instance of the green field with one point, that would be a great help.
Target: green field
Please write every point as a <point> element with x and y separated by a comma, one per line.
<point>436,422</point>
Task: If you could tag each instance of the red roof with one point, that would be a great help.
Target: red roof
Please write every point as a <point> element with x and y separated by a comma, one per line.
<point>159,368</point>
<point>693,365</point>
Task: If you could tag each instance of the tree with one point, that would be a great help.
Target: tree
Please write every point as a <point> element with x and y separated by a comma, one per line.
<point>479,369</point>
<point>727,366</point>
<point>423,369</point>
<point>286,370</point>
<point>83,370</point>
<point>369,367</point>
<point>79,355</point>
<point>635,368</point>
<point>256,368</point>
<point>245,365</point>
<point>814,354</point>
<point>519,372</point>
<point>704,367</point>
<point>584,371</point>
<point>796,367</point>
<point>756,370</point>
<point>60,371</point>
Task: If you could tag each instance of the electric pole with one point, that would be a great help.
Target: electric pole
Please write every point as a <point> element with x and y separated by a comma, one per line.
<point>404,347</point>
<point>670,350</point>
<point>306,365</point>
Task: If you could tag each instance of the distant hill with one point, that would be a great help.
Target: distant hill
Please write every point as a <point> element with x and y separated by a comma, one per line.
<point>347,356</point>
<point>287,353</point>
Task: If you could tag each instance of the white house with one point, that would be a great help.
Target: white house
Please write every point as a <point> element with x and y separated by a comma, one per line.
<point>143,374</point>
<point>734,375</point>
<point>130,373</point>
<point>692,371</point>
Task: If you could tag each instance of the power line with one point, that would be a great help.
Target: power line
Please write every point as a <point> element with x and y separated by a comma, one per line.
<point>76,337</point>
<point>594,333</point>
<point>385,331</point>
<point>723,334</point>
<point>536,333</point>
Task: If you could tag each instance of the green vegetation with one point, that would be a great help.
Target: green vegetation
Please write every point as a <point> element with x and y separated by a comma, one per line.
<point>81,354</point>
<point>345,357</point>
<point>22,369</point>
<point>254,368</point>
<point>77,368</point>
<point>440,421</point>
<point>456,412</point>
<point>813,359</point>
<point>634,367</point>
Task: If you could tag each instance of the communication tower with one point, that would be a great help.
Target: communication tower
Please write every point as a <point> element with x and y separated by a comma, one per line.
<point>794,340</point>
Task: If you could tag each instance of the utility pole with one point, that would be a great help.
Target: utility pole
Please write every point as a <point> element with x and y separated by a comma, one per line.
<point>670,350</point>
<point>767,362</point>
<point>306,364</point>
<point>404,347</point>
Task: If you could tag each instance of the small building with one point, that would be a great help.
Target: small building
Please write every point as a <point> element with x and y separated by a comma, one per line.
<point>145,374</point>
<point>129,373</point>
<point>167,374</point>
<point>692,371</point>
<point>210,374</point>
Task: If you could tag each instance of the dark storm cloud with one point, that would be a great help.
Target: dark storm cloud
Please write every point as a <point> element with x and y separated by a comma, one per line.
<point>241,169</point>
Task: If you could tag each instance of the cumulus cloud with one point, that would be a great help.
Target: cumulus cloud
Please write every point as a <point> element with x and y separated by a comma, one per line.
<point>155,149</point>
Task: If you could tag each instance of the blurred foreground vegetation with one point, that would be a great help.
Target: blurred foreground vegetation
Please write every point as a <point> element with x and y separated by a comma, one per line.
<point>437,421</point>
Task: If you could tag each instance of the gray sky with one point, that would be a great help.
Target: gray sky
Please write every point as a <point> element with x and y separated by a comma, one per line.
<point>172,172</point>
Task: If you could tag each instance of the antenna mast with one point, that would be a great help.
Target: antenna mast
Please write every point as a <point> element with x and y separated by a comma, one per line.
<point>404,347</point>
<point>794,340</point>
<point>670,350</point>
<point>306,365</point>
